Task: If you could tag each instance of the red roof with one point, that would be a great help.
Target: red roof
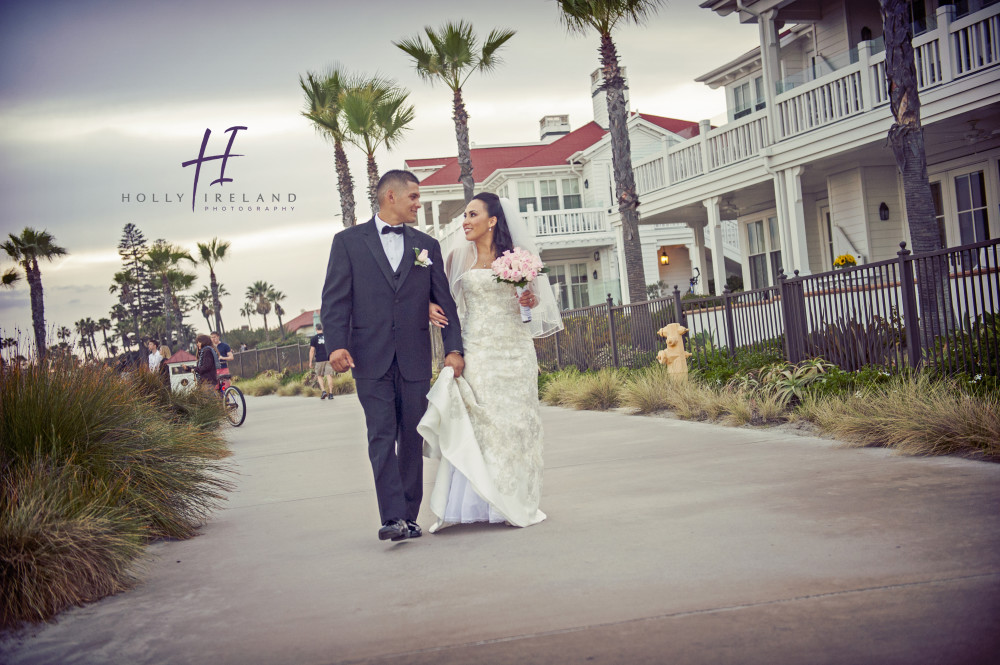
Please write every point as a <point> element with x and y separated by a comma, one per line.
<point>181,356</point>
<point>301,321</point>
<point>486,161</point>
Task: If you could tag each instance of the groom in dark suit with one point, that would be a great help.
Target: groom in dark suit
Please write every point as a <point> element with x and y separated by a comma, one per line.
<point>380,281</point>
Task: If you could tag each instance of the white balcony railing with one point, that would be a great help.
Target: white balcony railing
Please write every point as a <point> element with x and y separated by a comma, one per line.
<point>568,222</point>
<point>952,49</point>
<point>649,176</point>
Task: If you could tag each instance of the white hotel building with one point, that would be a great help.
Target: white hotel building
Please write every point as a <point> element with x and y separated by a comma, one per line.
<point>801,167</point>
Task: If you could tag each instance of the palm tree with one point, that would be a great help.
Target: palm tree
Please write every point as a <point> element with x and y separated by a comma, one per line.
<point>104,325</point>
<point>26,249</point>
<point>604,16</point>
<point>451,55</point>
<point>323,95</point>
<point>203,298</point>
<point>257,294</point>
<point>84,341</point>
<point>276,297</point>
<point>906,138</point>
<point>161,260</point>
<point>247,311</point>
<point>63,333</point>
<point>376,115</point>
<point>210,255</point>
<point>180,281</point>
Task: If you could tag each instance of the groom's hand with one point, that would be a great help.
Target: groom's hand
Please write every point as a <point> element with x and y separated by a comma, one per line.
<point>456,362</point>
<point>341,360</point>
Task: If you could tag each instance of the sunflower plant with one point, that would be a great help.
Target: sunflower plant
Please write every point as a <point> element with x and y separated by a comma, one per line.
<point>845,261</point>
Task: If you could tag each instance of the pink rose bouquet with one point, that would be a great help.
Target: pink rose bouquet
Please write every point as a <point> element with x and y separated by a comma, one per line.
<point>518,267</point>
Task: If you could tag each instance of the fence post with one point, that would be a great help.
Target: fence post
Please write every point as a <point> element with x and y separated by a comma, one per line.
<point>908,296</point>
<point>298,352</point>
<point>243,374</point>
<point>611,332</point>
<point>558,356</point>
<point>727,307</point>
<point>678,308</point>
<point>791,301</point>
<point>277,358</point>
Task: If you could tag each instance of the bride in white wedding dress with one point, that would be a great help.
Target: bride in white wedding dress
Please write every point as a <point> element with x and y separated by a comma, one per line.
<point>485,426</point>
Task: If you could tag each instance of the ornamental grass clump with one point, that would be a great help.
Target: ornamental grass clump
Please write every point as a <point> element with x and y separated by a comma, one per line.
<point>62,542</point>
<point>556,390</point>
<point>914,415</point>
<point>596,392</point>
<point>90,462</point>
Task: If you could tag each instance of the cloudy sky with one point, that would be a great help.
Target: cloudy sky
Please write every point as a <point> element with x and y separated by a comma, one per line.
<point>102,100</point>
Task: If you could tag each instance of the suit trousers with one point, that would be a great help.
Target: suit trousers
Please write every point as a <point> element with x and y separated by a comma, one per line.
<point>393,407</point>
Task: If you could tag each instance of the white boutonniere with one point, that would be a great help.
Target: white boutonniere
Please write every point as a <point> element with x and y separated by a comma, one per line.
<point>422,260</point>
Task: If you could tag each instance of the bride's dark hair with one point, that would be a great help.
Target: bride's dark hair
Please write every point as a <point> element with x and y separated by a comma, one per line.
<point>502,241</point>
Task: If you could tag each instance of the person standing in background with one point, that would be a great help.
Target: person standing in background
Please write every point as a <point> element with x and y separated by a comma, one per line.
<point>319,356</point>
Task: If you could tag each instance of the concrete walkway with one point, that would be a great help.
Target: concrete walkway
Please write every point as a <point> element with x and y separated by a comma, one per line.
<point>667,543</point>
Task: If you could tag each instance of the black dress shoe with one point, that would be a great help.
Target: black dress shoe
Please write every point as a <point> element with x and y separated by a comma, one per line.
<point>394,530</point>
<point>414,529</point>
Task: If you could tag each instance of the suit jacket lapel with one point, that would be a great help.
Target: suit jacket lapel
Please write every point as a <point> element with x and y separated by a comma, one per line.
<point>375,245</point>
<point>408,255</point>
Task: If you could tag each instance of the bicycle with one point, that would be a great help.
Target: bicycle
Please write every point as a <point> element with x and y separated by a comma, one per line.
<point>233,400</point>
<point>694,280</point>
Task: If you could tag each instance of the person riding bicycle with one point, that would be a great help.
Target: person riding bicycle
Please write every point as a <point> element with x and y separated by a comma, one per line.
<point>208,361</point>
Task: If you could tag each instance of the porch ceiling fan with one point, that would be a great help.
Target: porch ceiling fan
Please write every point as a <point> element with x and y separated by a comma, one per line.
<point>972,134</point>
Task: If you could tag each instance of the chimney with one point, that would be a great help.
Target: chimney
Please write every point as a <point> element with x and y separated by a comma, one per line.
<point>551,127</point>
<point>600,99</point>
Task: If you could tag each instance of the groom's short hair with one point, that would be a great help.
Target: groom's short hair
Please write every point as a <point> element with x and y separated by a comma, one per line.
<point>392,180</point>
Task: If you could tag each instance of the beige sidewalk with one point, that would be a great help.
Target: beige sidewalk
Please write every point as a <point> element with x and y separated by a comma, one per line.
<point>667,542</point>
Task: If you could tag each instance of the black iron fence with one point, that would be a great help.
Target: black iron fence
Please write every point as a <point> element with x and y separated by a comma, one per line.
<point>247,364</point>
<point>940,309</point>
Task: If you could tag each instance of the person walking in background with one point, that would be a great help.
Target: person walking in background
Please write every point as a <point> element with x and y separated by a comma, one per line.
<point>319,360</point>
<point>225,353</point>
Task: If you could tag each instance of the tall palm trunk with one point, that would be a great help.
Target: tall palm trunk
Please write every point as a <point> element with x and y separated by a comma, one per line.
<point>34,277</point>
<point>166,308</point>
<point>621,156</point>
<point>345,184</point>
<point>906,138</point>
<point>216,305</point>
<point>461,118</point>
<point>107,350</point>
<point>373,184</point>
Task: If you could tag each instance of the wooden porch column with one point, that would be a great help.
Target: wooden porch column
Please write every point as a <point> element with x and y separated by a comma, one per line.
<point>718,251</point>
<point>795,242</point>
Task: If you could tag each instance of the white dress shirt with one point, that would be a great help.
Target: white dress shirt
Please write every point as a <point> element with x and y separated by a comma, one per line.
<point>154,360</point>
<point>392,243</point>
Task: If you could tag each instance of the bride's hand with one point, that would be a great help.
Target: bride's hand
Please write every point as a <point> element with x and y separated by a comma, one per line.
<point>436,315</point>
<point>528,299</point>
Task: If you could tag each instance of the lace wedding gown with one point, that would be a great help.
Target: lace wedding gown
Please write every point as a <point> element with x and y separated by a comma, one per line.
<point>485,426</point>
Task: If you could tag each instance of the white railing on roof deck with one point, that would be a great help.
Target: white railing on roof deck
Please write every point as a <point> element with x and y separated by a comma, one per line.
<point>737,141</point>
<point>821,102</point>
<point>684,161</point>
<point>976,40</point>
<point>649,176</point>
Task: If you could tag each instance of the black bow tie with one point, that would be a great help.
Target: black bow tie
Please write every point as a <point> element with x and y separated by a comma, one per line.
<point>392,229</point>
